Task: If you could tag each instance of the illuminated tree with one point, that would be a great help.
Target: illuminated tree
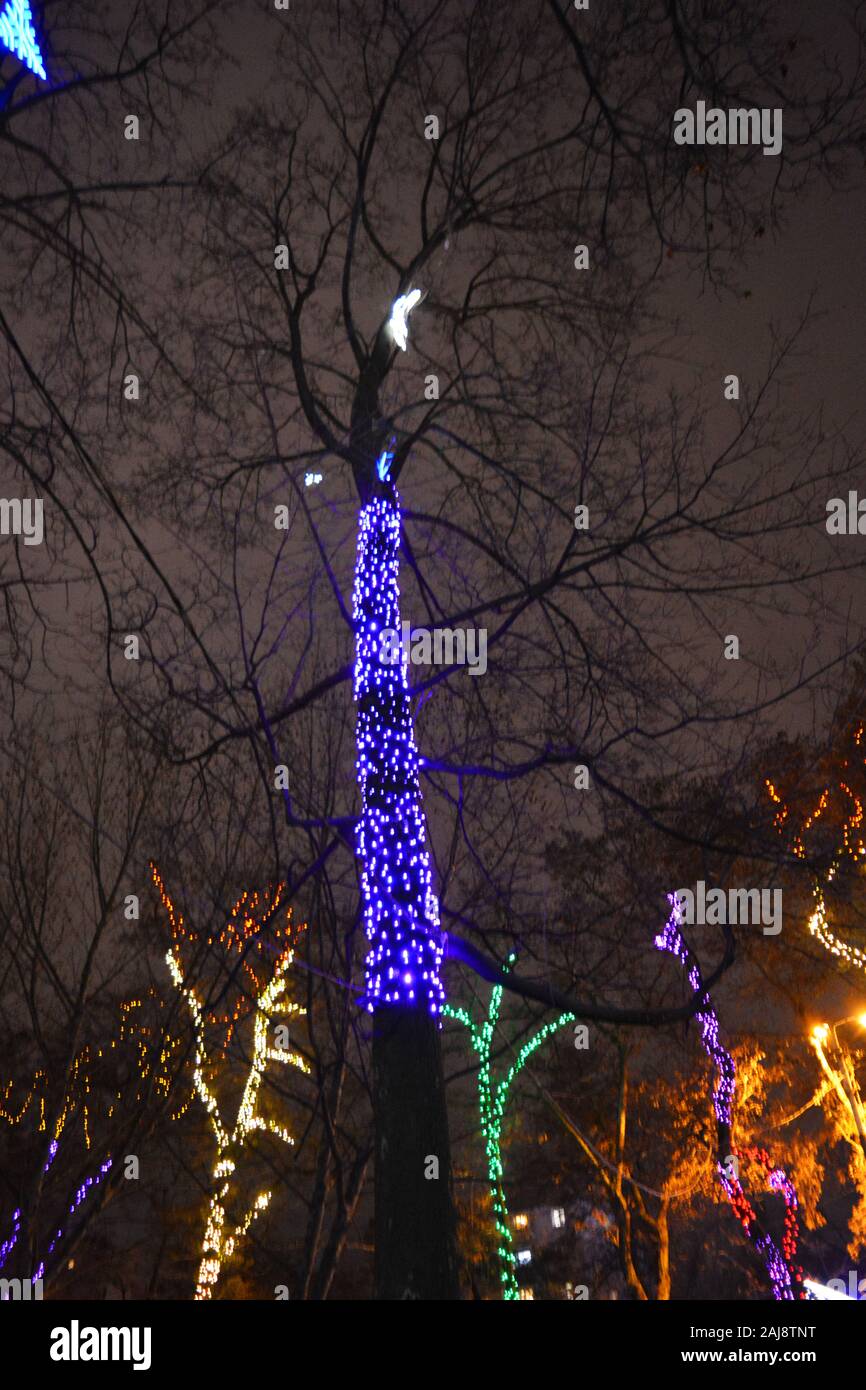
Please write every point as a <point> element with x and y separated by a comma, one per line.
<point>837,810</point>
<point>244,935</point>
<point>492,1100</point>
<point>401,910</point>
<point>786,1277</point>
<point>524,398</point>
<point>104,1085</point>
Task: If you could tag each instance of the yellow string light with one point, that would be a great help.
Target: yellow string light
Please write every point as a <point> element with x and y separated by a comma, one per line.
<point>242,931</point>
<point>852,846</point>
<point>243,934</point>
<point>76,1099</point>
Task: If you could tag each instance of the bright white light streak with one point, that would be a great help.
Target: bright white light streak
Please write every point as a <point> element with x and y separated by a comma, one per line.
<point>400,311</point>
<point>822,1292</point>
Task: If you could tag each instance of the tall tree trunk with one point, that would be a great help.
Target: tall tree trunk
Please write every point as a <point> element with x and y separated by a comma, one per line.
<point>664,1289</point>
<point>340,1227</point>
<point>415,1248</point>
<point>415,1245</point>
<point>623,1215</point>
<point>624,1247</point>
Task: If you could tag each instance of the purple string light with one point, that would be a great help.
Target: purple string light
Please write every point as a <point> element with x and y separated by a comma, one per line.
<point>785,1277</point>
<point>401,910</point>
<point>670,939</point>
<point>79,1197</point>
<point>9,1244</point>
<point>91,1182</point>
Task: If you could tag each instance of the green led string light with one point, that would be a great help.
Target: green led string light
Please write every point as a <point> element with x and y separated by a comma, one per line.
<point>491,1099</point>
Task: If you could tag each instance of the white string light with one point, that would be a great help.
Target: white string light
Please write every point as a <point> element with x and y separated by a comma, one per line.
<point>400,311</point>
<point>218,1245</point>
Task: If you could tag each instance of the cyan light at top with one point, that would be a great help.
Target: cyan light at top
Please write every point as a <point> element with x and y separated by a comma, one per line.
<point>19,36</point>
<point>383,465</point>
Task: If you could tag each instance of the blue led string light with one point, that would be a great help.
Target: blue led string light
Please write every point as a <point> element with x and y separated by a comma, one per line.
<point>19,36</point>
<point>383,465</point>
<point>401,910</point>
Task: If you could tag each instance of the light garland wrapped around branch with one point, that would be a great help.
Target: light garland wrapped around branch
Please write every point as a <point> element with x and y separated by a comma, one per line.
<point>156,1054</point>
<point>401,910</point>
<point>786,1277</point>
<point>851,846</point>
<point>243,932</point>
<point>492,1097</point>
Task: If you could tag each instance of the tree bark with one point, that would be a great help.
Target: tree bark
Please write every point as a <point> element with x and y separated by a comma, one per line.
<point>664,1289</point>
<point>416,1255</point>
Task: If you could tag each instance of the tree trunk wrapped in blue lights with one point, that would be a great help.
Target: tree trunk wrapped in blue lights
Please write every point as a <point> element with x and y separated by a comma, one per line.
<point>415,1244</point>
<point>401,909</point>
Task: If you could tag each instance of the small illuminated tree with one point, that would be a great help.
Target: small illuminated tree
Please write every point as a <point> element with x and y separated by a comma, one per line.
<point>839,803</point>
<point>828,838</point>
<point>492,1098</point>
<point>89,1112</point>
<point>785,1275</point>
<point>243,934</point>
